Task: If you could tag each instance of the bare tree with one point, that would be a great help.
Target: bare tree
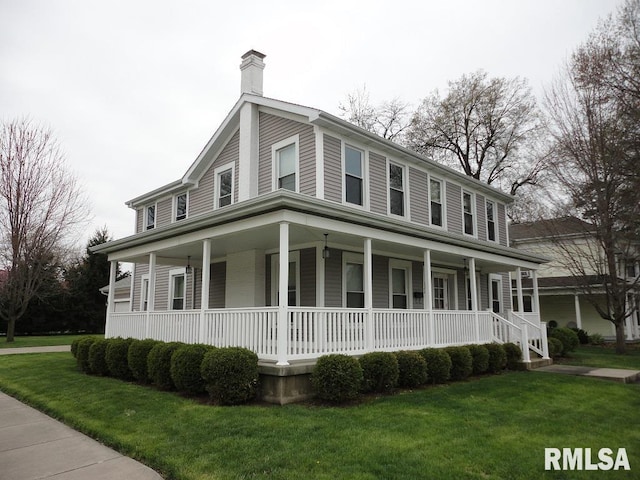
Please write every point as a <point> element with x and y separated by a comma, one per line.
<point>487,127</point>
<point>593,111</point>
<point>41,207</point>
<point>389,120</point>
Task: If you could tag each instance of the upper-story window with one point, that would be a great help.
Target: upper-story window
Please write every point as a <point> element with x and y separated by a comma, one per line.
<point>353,176</point>
<point>150,217</point>
<point>435,195</point>
<point>224,185</point>
<point>285,164</point>
<point>467,205</point>
<point>492,231</point>
<point>181,206</point>
<point>631,269</point>
<point>396,189</point>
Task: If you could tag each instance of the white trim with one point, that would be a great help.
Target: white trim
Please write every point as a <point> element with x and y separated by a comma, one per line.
<point>407,267</point>
<point>144,293</point>
<point>496,224</point>
<point>443,199</point>
<point>473,213</point>
<point>294,256</point>
<point>295,140</point>
<point>351,257</point>
<point>174,207</point>
<point>365,174</point>
<point>176,272</point>
<point>494,277</point>
<point>145,214</point>
<point>216,189</point>
<point>405,190</point>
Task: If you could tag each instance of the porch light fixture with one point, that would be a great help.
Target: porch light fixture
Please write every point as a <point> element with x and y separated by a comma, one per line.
<point>325,251</point>
<point>188,269</point>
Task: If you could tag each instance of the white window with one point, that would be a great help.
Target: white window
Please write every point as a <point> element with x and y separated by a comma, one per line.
<point>224,185</point>
<point>144,293</point>
<point>150,217</point>
<point>180,206</point>
<point>492,231</point>
<point>495,293</point>
<point>400,284</point>
<point>294,279</point>
<point>353,175</point>
<point>440,292</point>
<point>468,209</point>
<point>285,161</point>
<point>353,280</point>
<point>177,289</point>
<point>396,189</point>
<point>527,301</point>
<point>436,202</point>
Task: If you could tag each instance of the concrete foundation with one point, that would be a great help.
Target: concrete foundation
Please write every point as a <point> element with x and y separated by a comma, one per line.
<point>285,384</point>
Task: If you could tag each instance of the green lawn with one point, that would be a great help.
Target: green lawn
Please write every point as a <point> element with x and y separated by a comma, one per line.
<point>41,341</point>
<point>605,356</point>
<point>487,428</point>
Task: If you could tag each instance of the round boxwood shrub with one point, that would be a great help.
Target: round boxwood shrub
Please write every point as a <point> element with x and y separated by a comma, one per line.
<point>159,364</point>
<point>230,375</point>
<point>185,368</point>
<point>480,358</point>
<point>413,369</point>
<point>497,357</point>
<point>438,364</point>
<point>74,346</point>
<point>461,362</point>
<point>514,356</point>
<point>568,337</point>
<point>97,357</point>
<point>337,378</point>
<point>116,356</point>
<point>82,353</point>
<point>137,358</point>
<point>583,336</point>
<point>555,347</point>
<point>380,372</point>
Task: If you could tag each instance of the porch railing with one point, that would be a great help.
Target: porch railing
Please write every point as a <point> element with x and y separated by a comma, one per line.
<point>311,332</point>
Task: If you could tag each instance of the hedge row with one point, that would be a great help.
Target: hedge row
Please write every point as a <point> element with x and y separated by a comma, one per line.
<point>230,375</point>
<point>341,378</point>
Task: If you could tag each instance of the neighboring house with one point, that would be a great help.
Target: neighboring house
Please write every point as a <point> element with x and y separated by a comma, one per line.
<point>297,234</point>
<point>562,301</point>
<point>122,296</point>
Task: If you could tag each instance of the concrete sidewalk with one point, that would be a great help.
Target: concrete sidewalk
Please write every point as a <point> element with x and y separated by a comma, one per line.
<point>613,374</point>
<point>35,446</point>
<point>14,351</point>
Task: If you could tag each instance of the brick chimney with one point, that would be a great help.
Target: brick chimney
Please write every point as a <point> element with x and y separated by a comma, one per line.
<point>251,68</point>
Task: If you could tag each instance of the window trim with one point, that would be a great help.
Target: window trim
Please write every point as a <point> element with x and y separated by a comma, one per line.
<point>174,212</point>
<point>350,257</point>
<point>451,277</point>
<point>145,219</point>
<point>294,256</point>
<point>176,272</point>
<point>216,175</point>
<point>443,197</point>
<point>407,267</point>
<point>473,213</point>
<point>495,219</point>
<point>405,189</point>
<point>498,278</point>
<point>295,140</point>
<point>364,178</point>
<point>144,293</point>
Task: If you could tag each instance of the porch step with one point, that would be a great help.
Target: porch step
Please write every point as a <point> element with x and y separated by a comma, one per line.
<point>538,363</point>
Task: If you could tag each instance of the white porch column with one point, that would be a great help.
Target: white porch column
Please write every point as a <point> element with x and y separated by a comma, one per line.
<point>113,271</point>
<point>368,294</point>
<point>151,301</point>
<point>474,295</point>
<point>283,295</point>
<point>536,294</point>
<point>519,290</point>
<point>428,289</point>
<point>320,275</point>
<point>206,278</point>
<point>576,302</point>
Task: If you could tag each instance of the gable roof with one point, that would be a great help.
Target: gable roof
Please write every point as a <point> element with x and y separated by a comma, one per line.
<point>553,227</point>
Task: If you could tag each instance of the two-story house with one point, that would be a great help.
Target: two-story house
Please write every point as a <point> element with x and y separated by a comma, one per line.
<point>297,234</point>
<point>571,246</point>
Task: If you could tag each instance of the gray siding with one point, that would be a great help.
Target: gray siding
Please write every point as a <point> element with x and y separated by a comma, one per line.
<point>506,293</point>
<point>462,291</point>
<point>308,277</point>
<point>332,169</point>
<point>454,208</point>
<point>163,212</point>
<point>502,227</point>
<point>378,183</point>
<point>217,287</point>
<point>481,217</point>
<point>333,279</point>
<point>417,282</point>
<point>139,218</point>
<point>418,196</point>
<point>380,273</point>
<point>274,129</point>
<point>139,270</point>
<point>484,291</point>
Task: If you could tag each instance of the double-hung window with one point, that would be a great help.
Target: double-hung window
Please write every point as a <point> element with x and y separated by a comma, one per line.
<point>435,195</point>
<point>177,289</point>
<point>355,284</point>
<point>181,206</point>
<point>396,189</point>
<point>286,167</point>
<point>224,185</point>
<point>353,175</point>
<point>491,221</point>
<point>467,204</point>
<point>150,217</point>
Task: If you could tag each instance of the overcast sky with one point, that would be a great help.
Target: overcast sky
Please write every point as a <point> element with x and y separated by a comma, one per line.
<point>133,90</point>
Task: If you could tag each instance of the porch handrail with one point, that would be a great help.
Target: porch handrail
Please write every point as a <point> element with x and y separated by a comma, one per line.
<point>538,341</point>
<point>520,332</point>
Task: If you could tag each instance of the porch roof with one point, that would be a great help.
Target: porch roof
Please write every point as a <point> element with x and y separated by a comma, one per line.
<point>310,212</point>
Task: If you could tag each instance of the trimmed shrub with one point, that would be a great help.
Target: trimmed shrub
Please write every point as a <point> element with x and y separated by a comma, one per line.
<point>380,372</point>
<point>159,364</point>
<point>480,358</point>
<point>583,336</point>
<point>230,375</point>
<point>568,337</point>
<point>97,357</point>
<point>514,356</point>
<point>461,362</point>
<point>413,369</point>
<point>137,358</point>
<point>116,356</point>
<point>82,353</point>
<point>185,368</point>
<point>74,346</point>
<point>438,364</point>
<point>596,339</point>
<point>555,347</point>
<point>497,357</point>
<point>337,378</point>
